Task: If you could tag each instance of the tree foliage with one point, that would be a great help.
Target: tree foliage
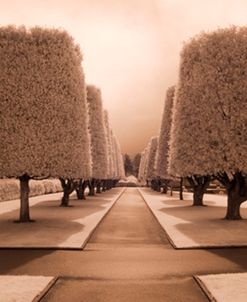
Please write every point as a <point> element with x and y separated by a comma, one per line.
<point>97,133</point>
<point>164,136</point>
<point>43,105</point>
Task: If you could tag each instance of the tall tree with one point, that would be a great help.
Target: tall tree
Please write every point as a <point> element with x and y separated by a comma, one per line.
<point>42,108</point>
<point>111,170</point>
<point>98,138</point>
<point>136,163</point>
<point>150,164</point>
<point>120,171</point>
<point>161,164</point>
<point>209,131</point>
<point>128,165</point>
<point>142,165</point>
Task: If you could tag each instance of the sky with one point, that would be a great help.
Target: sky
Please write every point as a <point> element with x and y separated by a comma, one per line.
<point>131,49</point>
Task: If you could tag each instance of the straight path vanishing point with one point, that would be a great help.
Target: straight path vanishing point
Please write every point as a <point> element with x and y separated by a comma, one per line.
<point>129,243</point>
<point>128,258</point>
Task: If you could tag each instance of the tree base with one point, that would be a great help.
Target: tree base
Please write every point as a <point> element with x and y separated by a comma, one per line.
<point>233,218</point>
<point>82,198</point>
<point>80,195</point>
<point>66,206</point>
<point>24,221</point>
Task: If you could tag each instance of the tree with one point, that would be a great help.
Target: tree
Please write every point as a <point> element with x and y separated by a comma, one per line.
<point>164,136</point>
<point>161,164</point>
<point>120,171</point>
<point>143,165</point>
<point>98,138</point>
<point>42,108</point>
<point>150,164</point>
<point>209,130</point>
<point>136,163</point>
<point>115,169</point>
<point>110,160</point>
<point>128,165</point>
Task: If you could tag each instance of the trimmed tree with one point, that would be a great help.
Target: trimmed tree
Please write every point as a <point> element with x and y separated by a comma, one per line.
<point>121,171</point>
<point>136,164</point>
<point>209,130</point>
<point>110,161</point>
<point>119,165</point>
<point>151,155</point>
<point>161,164</point>
<point>128,165</point>
<point>143,165</point>
<point>42,108</point>
<point>98,138</point>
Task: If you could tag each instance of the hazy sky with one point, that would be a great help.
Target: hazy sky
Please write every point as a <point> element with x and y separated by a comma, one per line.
<point>131,49</point>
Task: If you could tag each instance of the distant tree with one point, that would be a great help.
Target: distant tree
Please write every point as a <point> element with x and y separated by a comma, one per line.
<point>128,165</point>
<point>42,108</point>
<point>161,164</point>
<point>136,163</point>
<point>115,164</point>
<point>141,172</point>
<point>106,182</point>
<point>150,164</point>
<point>114,156</point>
<point>120,172</point>
<point>209,131</point>
<point>98,138</point>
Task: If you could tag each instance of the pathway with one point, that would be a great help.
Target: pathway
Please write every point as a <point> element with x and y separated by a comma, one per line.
<point>128,258</point>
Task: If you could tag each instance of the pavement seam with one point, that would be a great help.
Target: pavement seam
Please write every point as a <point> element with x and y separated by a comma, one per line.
<point>205,291</point>
<point>46,290</point>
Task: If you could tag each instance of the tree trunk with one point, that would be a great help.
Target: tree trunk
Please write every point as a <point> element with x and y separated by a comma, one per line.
<point>164,191</point>
<point>91,185</point>
<point>114,183</point>
<point>98,190</point>
<point>24,199</point>
<point>233,206</point>
<point>237,194</point>
<point>198,195</point>
<point>80,190</point>
<point>155,185</point>
<point>199,185</point>
<point>109,184</point>
<point>181,189</point>
<point>65,199</point>
<point>68,187</point>
<point>171,190</point>
<point>104,185</point>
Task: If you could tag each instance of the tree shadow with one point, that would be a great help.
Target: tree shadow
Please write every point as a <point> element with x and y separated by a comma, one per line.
<point>12,258</point>
<point>206,226</point>
<point>54,225</point>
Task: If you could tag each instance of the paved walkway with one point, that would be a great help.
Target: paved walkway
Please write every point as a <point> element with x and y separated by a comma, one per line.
<point>127,259</point>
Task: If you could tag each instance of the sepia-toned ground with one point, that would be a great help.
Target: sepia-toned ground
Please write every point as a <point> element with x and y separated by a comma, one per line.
<point>128,258</point>
<point>55,226</point>
<point>197,227</point>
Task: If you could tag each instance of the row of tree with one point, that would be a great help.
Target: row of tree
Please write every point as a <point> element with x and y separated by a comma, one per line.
<point>131,165</point>
<point>203,134</point>
<point>52,124</point>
